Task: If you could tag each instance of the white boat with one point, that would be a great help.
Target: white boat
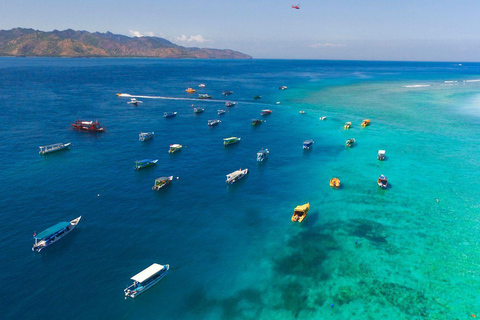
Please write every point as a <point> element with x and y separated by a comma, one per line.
<point>381,155</point>
<point>143,136</point>
<point>236,175</point>
<point>53,234</point>
<point>146,279</point>
<point>201,85</point>
<point>134,102</point>
<point>53,147</point>
<point>213,122</point>
<point>262,155</point>
<point>323,118</point>
<point>220,112</point>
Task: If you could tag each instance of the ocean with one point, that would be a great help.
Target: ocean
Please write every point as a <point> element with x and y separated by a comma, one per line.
<point>407,252</point>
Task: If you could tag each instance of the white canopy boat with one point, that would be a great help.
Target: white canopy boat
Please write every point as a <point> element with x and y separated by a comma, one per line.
<point>134,102</point>
<point>236,175</point>
<point>146,279</point>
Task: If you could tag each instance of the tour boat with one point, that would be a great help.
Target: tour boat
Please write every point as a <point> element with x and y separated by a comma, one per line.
<point>347,125</point>
<point>229,104</point>
<point>161,182</point>
<point>92,126</point>
<point>300,212</point>
<point>227,93</point>
<point>204,96</point>
<point>382,182</point>
<point>257,97</point>
<point>211,123</point>
<point>335,183</point>
<point>53,234</point>
<point>231,140</point>
<point>307,144</point>
<point>134,102</point>
<point>236,175</point>
<point>174,148</point>
<point>350,143</point>
<point>198,110</point>
<point>381,155</point>
<point>220,112</point>
<point>262,155</point>
<point>169,114</point>
<point>140,164</point>
<point>282,88</point>
<point>53,148</point>
<point>256,122</point>
<point>265,112</point>
<point>190,90</point>
<point>365,123</point>
<point>146,279</point>
<point>143,136</point>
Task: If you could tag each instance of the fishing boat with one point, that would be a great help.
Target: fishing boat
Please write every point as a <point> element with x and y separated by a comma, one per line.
<point>227,92</point>
<point>220,112</point>
<point>301,112</point>
<point>161,182</point>
<point>146,279</point>
<point>140,164</point>
<point>174,148</point>
<point>347,125</point>
<point>201,85</point>
<point>300,212</point>
<point>282,88</point>
<point>307,144</point>
<point>323,118</point>
<point>256,122</point>
<point>231,140</point>
<point>265,112</point>
<point>204,96</point>
<point>257,97</point>
<point>53,234</point>
<point>381,155</point>
<point>365,123</point>
<point>229,104</point>
<point>134,102</point>
<point>212,123</point>
<point>91,126</point>
<point>170,114</point>
<point>350,143</point>
<point>198,110</point>
<point>144,136</point>
<point>335,183</point>
<point>190,90</point>
<point>262,155</point>
<point>382,182</point>
<point>53,147</point>
<point>236,175</point>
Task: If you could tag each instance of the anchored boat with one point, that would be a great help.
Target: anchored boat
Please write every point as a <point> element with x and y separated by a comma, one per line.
<point>53,148</point>
<point>143,136</point>
<point>323,118</point>
<point>365,123</point>
<point>257,97</point>
<point>307,144</point>
<point>347,125</point>
<point>282,88</point>
<point>169,114</point>
<point>265,112</point>
<point>350,143</point>
<point>161,182</point>
<point>335,183</point>
<point>382,182</point>
<point>381,155</point>
<point>230,104</point>
<point>256,122</point>
<point>174,148</point>
<point>146,279</point>
<point>227,93</point>
<point>236,175</point>
<point>300,212</point>
<point>220,112</point>
<point>140,164</point>
<point>198,110</point>
<point>204,96</point>
<point>231,140</point>
<point>190,90</point>
<point>262,154</point>
<point>201,85</point>
<point>212,123</point>
<point>53,234</point>
<point>91,126</point>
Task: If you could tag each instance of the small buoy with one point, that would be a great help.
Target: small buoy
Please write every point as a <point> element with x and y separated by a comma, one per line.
<point>98,195</point>
<point>331,306</point>
<point>178,178</point>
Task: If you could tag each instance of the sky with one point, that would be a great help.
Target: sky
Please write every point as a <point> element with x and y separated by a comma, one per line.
<point>423,30</point>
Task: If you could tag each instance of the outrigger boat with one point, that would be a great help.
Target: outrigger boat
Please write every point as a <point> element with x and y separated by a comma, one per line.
<point>347,125</point>
<point>282,88</point>
<point>220,112</point>
<point>143,136</point>
<point>265,112</point>
<point>161,182</point>
<point>382,182</point>
<point>140,164</point>
<point>134,102</point>
<point>335,183</point>
<point>350,143</point>
<point>231,140</point>
<point>365,123</point>
<point>300,212</point>
<point>236,175</point>
<point>212,123</point>
<point>190,90</point>
<point>256,122</point>
<point>229,104</point>
<point>257,97</point>
<point>204,96</point>
<point>53,234</point>
<point>198,110</point>
<point>227,93</point>
<point>307,144</point>
<point>170,114</point>
<point>174,148</point>
<point>146,279</point>
<point>53,148</point>
<point>92,126</point>
<point>262,155</point>
<point>381,155</point>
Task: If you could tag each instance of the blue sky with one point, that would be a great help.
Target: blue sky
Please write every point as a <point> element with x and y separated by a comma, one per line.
<point>334,29</point>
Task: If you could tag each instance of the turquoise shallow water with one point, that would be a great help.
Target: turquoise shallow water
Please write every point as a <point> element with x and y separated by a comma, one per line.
<point>233,251</point>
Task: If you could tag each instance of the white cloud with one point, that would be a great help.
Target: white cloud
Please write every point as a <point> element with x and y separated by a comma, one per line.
<point>327,45</point>
<point>198,38</point>
<point>138,34</point>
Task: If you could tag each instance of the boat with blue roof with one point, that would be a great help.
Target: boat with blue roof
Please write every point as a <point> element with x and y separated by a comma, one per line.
<point>53,234</point>
<point>262,155</point>
<point>140,164</point>
<point>307,144</point>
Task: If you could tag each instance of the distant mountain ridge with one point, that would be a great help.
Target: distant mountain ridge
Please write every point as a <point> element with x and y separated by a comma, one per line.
<point>71,43</point>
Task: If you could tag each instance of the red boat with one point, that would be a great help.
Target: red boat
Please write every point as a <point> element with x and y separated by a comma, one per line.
<point>83,125</point>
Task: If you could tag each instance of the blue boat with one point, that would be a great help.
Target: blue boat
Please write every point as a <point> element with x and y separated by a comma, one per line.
<point>170,114</point>
<point>262,155</point>
<point>53,234</point>
<point>140,164</point>
<point>146,279</point>
<point>307,144</point>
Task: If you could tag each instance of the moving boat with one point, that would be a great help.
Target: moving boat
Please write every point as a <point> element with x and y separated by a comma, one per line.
<point>227,93</point>
<point>134,102</point>
<point>174,148</point>
<point>143,136</point>
<point>381,155</point>
<point>350,143</point>
<point>170,114</point>
<point>198,110</point>
<point>140,164</point>
<point>231,140</point>
<point>236,175</point>
<point>229,104</point>
<point>300,212</point>
<point>190,90</point>
<point>265,112</point>
<point>146,279</point>
<point>282,88</point>
<point>347,125</point>
<point>161,182</point>
<point>365,123</point>
<point>262,154</point>
<point>92,126</point>
<point>307,144</point>
<point>53,234</point>
<point>220,112</point>
<point>382,182</point>
<point>256,122</point>
<point>204,96</point>
<point>335,183</point>
<point>212,123</point>
<point>53,148</point>
<point>257,97</point>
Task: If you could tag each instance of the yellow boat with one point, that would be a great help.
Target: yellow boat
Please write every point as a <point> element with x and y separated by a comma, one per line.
<point>335,183</point>
<point>300,212</point>
<point>347,125</point>
<point>190,90</point>
<point>365,123</point>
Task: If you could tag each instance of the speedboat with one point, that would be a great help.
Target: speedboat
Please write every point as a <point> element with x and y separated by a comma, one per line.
<point>198,110</point>
<point>382,182</point>
<point>256,122</point>
<point>365,123</point>
<point>350,143</point>
<point>134,102</point>
<point>227,93</point>
<point>174,148</point>
<point>53,234</point>
<point>231,140</point>
<point>53,148</point>
<point>381,155</point>
<point>90,126</point>
<point>307,144</point>
<point>262,154</point>
<point>190,90</point>
<point>146,279</point>
<point>143,136</point>
<point>282,88</point>
<point>140,164</point>
<point>265,112</point>
<point>170,114</point>
<point>161,182</point>
<point>220,112</point>
<point>335,183</point>
<point>229,104</point>
<point>204,96</point>
<point>300,212</point>
<point>236,175</point>
<point>212,123</point>
<point>347,125</point>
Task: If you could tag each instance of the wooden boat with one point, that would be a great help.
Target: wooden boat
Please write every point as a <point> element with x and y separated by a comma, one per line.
<point>262,155</point>
<point>365,123</point>
<point>230,104</point>
<point>144,136</point>
<point>53,234</point>
<point>140,164</point>
<point>307,144</point>
<point>220,112</point>
<point>134,102</point>
<point>382,182</point>
<point>347,125</point>
<point>265,112</point>
<point>89,126</point>
<point>282,88</point>
<point>231,140</point>
<point>300,212</point>
<point>198,110</point>
<point>381,155</point>
<point>227,92</point>
<point>204,96</point>
<point>350,143</point>
<point>170,114</point>
<point>212,123</point>
<point>174,148</point>
<point>257,97</point>
<point>190,90</point>
<point>335,183</point>
<point>161,182</point>
<point>53,148</point>
<point>236,175</point>
<point>256,122</point>
<point>146,279</point>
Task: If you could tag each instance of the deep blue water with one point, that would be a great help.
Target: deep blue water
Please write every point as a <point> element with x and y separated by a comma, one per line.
<point>233,251</point>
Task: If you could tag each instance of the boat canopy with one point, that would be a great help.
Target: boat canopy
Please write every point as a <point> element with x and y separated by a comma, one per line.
<point>302,208</point>
<point>147,273</point>
<point>176,145</point>
<point>52,230</point>
<point>381,152</point>
<point>231,138</point>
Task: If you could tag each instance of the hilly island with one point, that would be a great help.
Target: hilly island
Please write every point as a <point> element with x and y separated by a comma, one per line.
<point>70,43</point>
